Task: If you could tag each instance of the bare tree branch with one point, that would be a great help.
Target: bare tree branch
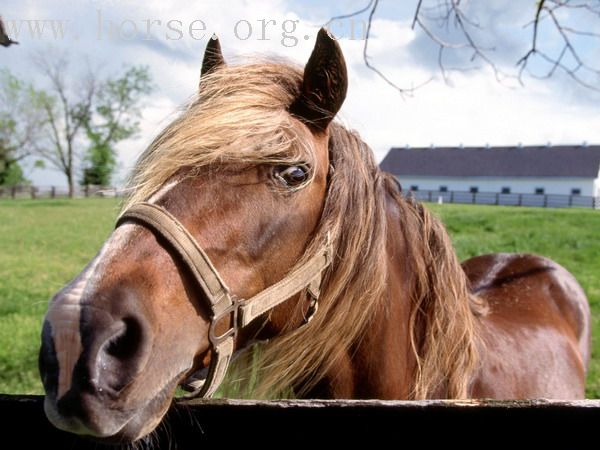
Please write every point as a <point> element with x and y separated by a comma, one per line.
<point>451,12</point>
<point>402,91</point>
<point>550,8</point>
<point>372,8</point>
<point>438,18</point>
<point>416,17</point>
<point>523,61</point>
<point>348,16</point>
<point>580,33</point>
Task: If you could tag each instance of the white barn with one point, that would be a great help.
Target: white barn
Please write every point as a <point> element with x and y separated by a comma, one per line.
<point>572,170</point>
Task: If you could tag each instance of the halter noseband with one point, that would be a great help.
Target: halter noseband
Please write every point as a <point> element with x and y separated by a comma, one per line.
<point>221,301</point>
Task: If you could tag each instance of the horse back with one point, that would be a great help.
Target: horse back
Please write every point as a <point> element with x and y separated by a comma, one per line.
<point>536,332</point>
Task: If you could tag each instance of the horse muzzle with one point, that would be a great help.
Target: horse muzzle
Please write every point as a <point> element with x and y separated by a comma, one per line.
<point>90,360</point>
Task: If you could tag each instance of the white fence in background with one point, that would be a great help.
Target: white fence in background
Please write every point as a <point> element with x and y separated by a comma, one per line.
<point>496,198</point>
<point>34,192</point>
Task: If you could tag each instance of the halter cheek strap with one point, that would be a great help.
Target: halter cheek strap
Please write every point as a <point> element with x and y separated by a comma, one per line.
<point>221,302</point>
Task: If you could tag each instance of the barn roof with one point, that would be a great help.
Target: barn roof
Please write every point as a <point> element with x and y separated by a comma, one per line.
<point>535,161</point>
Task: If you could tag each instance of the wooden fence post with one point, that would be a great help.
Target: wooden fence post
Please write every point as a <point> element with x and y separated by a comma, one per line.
<point>53,192</point>
<point>13,192</point>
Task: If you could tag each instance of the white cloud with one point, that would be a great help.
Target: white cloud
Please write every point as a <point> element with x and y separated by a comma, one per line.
<point>475,111</point>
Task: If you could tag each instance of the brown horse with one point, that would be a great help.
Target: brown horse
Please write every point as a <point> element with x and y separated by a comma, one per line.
<point>249,211</point>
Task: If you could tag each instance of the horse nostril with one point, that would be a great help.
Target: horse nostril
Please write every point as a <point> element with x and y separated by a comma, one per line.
<point>126,341</point>
<point>122,356</point>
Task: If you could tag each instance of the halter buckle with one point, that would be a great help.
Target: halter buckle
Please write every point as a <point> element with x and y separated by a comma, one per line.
<point>232,312</point>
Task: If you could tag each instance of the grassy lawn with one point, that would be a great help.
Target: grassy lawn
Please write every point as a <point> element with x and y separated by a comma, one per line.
<point>44,243</point>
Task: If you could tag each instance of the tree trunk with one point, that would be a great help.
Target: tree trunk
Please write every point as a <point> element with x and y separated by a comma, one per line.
<point>70,168</point>
<point>71,185</point>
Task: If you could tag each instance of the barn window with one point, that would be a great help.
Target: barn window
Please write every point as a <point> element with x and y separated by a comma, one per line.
<point>474,190</point>
<point>506,190</point>
<point>414,187</point>
<point>575,191</point>
<point>539,190</point>
<point>443,188</point>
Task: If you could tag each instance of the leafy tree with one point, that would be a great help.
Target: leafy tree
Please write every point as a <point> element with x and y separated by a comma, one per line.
<point>100,164</point>
<point>85,116</point>
<point>11,174</point>
<point>21,121</point>
<point>66,109</point>
<point>117,111</point>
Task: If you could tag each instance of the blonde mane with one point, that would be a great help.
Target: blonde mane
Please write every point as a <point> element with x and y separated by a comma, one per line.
<point>240,116</point>
<point>443,330</point>
<point>442,326</point>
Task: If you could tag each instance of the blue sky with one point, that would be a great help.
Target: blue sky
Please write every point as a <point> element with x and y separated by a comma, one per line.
<point>472,109</point>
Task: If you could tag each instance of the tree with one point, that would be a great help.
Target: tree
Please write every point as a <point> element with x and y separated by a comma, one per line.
<point>117,113</point>
<point>100,165</point>
<point>87,112</point>
<point>569,28</point>
<point>66,110</point>
<point>21,121</point>
<point>11,174</point>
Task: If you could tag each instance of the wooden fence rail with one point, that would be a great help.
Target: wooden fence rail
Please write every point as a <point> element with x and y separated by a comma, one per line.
<point>297,423</point>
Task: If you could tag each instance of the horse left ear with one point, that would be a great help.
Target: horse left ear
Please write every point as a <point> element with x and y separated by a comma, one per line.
<point>213,56</point>
<point>324,85</point>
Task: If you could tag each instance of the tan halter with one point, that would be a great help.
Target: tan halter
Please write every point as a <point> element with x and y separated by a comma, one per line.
<point>221,301</point>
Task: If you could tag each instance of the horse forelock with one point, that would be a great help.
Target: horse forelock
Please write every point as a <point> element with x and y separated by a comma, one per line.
<point>239,116</point>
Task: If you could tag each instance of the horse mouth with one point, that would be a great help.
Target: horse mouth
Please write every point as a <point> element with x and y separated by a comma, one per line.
<point>120,427</point>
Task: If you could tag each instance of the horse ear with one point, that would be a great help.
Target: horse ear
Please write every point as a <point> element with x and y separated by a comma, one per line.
<point>324,85</point>
<point>213,57</point>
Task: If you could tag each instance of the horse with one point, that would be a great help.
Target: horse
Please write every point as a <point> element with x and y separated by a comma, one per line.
<point>254,216</point>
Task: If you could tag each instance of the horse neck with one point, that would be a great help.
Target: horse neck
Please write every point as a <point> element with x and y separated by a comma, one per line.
<point>380,364</point>
<point>425,309</point>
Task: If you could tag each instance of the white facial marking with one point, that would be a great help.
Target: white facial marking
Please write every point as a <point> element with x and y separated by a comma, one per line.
<point>163,191</point>
<point>64,316</point>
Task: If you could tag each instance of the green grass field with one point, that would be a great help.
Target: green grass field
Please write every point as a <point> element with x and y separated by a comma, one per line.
<point>44,243</point>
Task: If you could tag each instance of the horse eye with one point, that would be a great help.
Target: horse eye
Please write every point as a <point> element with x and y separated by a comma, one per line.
<point>292,176</point>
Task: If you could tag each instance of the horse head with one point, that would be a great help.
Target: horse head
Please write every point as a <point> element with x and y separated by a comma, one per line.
<point>243,174</point>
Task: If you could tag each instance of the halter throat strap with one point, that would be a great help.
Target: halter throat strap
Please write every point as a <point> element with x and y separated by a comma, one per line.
<point>220,301</point>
